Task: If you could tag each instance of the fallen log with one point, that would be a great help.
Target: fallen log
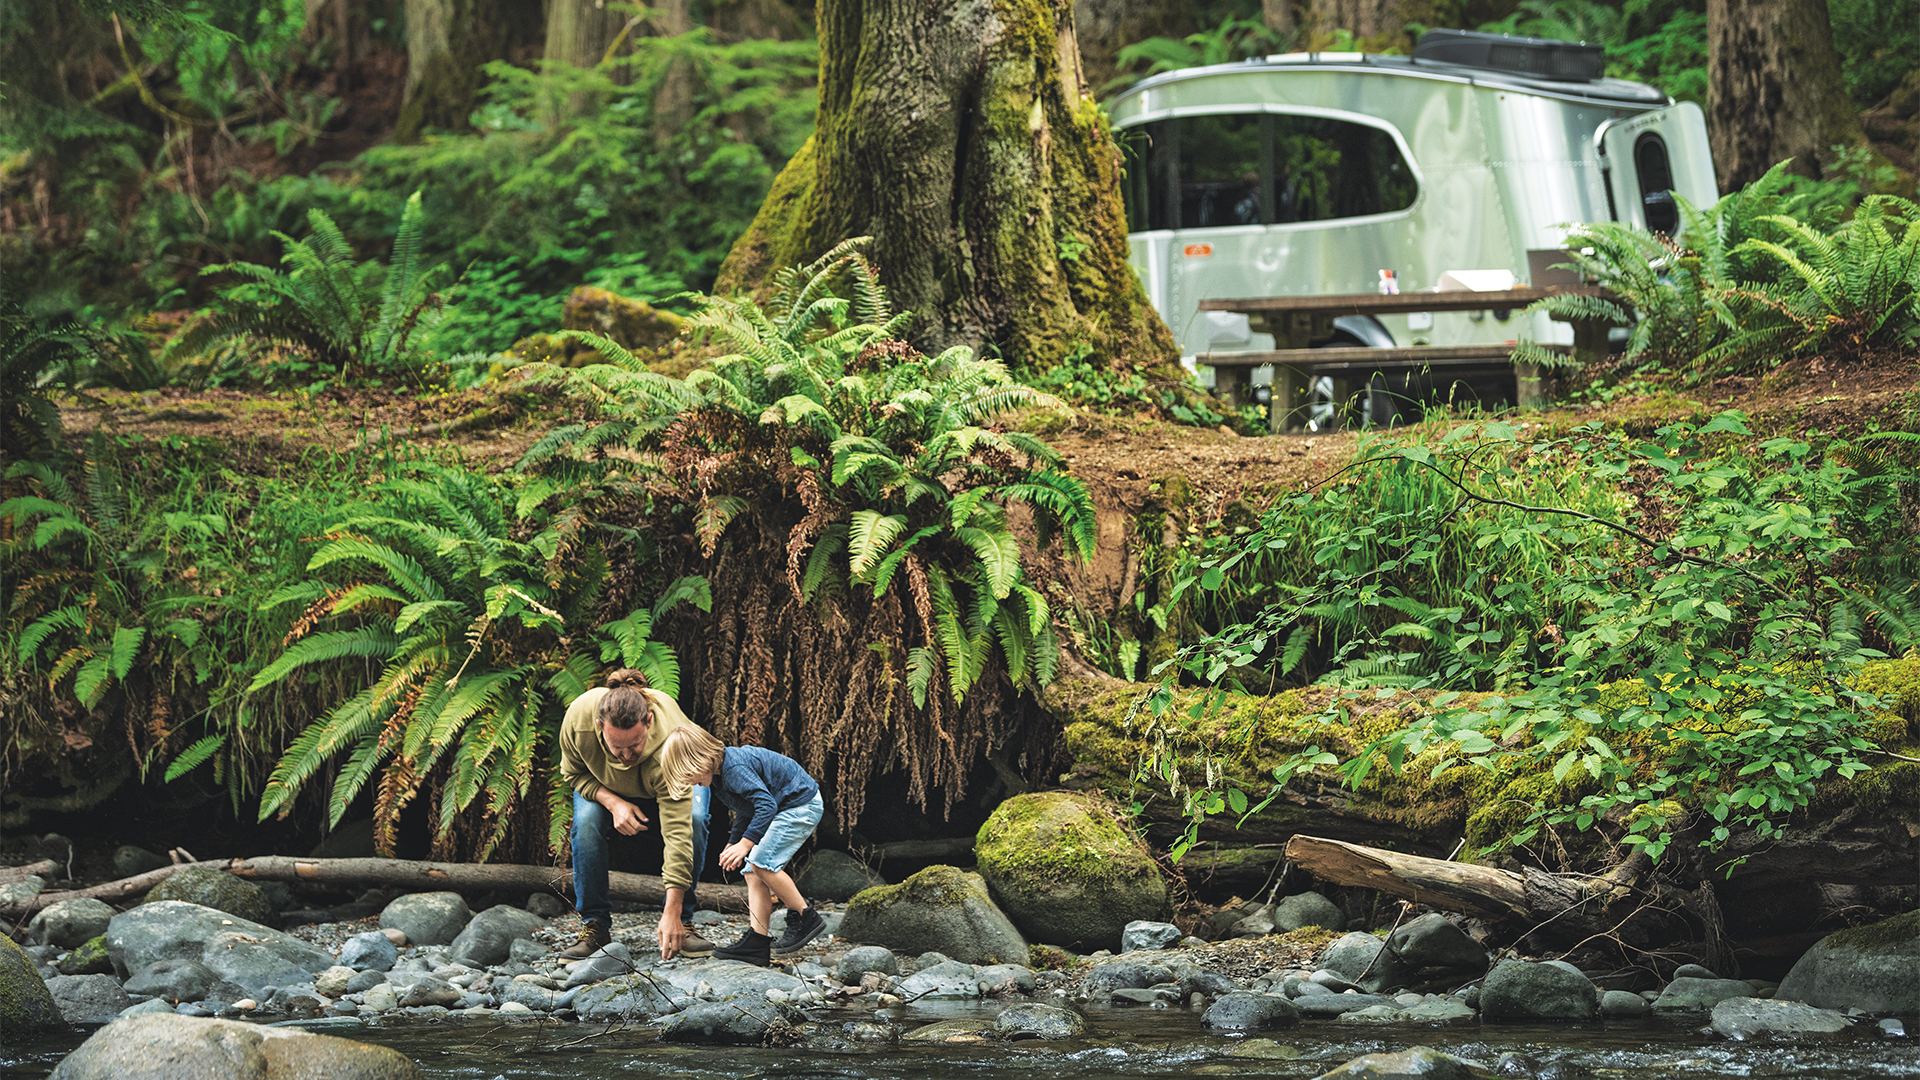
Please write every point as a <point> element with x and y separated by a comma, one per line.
<point>468,877</point>
<point>45,868</point>
<point>1475,890</point>
<point>1539,909</point>
<point>395,873</point>
<point>108,893</point>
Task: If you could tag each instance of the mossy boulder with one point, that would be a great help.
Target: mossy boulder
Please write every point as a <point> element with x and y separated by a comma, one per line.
<point>1066,870</point>
<point>26,1005</point>
<point>1875,968</point>
<point>940,909</point>
<point>631,324</point>
<point>87,958</point>
<point>216,889</point>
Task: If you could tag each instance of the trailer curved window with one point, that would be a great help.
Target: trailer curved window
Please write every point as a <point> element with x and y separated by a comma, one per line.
<point>1193,172</point>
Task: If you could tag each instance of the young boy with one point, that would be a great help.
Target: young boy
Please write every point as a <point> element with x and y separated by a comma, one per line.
<point>776,806</point>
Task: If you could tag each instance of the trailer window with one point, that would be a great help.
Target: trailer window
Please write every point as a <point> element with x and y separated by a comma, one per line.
<point>1655,173</point>
<point>1260,168</point>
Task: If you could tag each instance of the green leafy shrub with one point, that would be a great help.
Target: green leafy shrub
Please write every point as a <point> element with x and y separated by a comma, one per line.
<point>878,478</point>
<point>339,314</point>
<point>1735,618</point>
<point>477,635</point>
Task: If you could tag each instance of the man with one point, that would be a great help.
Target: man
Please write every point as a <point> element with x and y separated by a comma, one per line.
<point>609,746</point>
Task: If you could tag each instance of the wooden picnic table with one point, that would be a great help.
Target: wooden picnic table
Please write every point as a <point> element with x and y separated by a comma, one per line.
<point>1297,321</point>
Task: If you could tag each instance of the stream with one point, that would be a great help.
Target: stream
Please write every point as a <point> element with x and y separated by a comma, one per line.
<point>1131,1042</point>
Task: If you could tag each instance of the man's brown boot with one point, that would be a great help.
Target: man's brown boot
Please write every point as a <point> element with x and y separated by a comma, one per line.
<point>594,936</point>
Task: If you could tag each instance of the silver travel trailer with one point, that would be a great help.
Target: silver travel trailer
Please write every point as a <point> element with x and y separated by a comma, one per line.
<point>1336,173</point>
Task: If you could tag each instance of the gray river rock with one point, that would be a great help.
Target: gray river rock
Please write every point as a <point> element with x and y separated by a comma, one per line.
<point>743,1019</point>
<point>1747,1018</point>
<point>1365,961</point>
<point>1521,990</point>
<point>1422,1062</point>
<point>1246,1011</point>
<point>427,918</point>
<point>488,937</point>
<point>1037,1021</point>
<point>246,954</point>
<point>88,999</point>
<point>161,1047</point>
<point>212,887</point>
<point>69,923</point>
<point>1875,968</point>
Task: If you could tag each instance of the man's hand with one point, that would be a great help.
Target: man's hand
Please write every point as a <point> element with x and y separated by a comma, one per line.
<point>671,932</point>
<point>627,818</point>
<point>734,855</point>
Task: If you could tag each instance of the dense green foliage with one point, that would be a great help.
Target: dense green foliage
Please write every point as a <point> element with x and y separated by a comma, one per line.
<point>1735,588</point>
<point>904,483</point>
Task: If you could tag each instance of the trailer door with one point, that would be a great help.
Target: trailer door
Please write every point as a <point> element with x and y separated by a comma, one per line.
<point>1647,159</point>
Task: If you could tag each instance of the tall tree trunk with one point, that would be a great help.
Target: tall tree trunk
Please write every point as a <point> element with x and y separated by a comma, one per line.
<point>1375,24</point>
<point>959,136</point>
<point>1279,17</point>
<point>1104,27</point>
<point>448,43</point>
<point>580,31</point>
<point>1774,89</point>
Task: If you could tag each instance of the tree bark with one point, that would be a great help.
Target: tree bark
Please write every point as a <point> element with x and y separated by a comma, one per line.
<point>448,44</point>
<point>960,138</point>
<point>1774,89</point>
<point>396,873</point>
<point>1376,24</point>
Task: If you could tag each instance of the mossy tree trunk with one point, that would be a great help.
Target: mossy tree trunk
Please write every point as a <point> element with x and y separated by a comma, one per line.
<point>449,42</point>
<point>960,137</point>
<point>1376,24</point>
<point>1774,89</point>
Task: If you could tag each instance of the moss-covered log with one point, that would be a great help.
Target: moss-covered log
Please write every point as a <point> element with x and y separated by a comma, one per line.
<point>960,138</point>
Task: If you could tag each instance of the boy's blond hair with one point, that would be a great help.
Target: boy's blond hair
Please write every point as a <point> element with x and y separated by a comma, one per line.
<point>689,750</point>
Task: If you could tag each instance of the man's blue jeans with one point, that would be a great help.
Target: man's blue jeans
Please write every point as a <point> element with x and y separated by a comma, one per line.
<point>593,830</point>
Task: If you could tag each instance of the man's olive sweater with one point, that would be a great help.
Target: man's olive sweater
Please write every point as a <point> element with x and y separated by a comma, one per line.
<point>585,763</point>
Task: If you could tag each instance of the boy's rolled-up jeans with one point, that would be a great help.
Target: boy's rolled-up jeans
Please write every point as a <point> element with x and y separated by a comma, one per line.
<point>593,831</point>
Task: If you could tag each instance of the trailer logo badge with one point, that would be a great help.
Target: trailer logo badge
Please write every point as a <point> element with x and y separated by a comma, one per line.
<point>1194,251</point>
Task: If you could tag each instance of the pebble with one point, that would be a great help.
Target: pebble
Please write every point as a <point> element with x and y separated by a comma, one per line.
<point>1893,1029</point>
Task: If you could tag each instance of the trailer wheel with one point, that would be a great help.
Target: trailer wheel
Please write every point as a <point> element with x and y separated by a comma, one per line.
<point>1320,404</point>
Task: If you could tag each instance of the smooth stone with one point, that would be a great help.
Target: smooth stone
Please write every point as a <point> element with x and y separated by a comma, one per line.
<point>546,905</point>
<point>434,918</point>
<point>950,1031</point>
<point>1419,1063</point>
<point>382,998</point>
<point>88,999</point>
<point>216,889</point>
<point>1623,1005</point>
<point>1331,980</point>
<point>1744,1018</point>
<point>1144,934</point>
<point>1258,924</point>
<point>1432,940</point>
<point>1361,959</point>
<point>1699,995</point>
<point>364,981</point>
<point>1438,1011</point>
<point>1264,1050</point>
<point>743,1020</point>
<point>130,861</point>
<point>949,980</point>
<point>489,936</point>
<point>1875,968</point>
<point>1893,1029</point>
<point>1522,990</point>
<point>333,981</point>
<point>1246,1011</point>
<point>371,951</point>
<point>174,1047</point>
<point>1307,909</point>
<point>1126,974</point>
<point>1693,971</point>
<point>1325,1005</point>
<point>245,954</point>
<point>151,1005</point>
<point>69,923</point>
<point>1032,1020</point>
<point>864,958</point>
<point>526,950</point>
<point>999,978</point>
<point>938,908</point>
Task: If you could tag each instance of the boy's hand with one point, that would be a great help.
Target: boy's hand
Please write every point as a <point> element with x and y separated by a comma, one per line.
<point>734,855</point>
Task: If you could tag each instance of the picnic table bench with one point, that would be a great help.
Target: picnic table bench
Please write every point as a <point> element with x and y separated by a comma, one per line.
<point>1296,321</point>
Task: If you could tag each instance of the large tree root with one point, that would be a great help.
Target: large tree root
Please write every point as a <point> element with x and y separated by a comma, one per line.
<point>400,874</point>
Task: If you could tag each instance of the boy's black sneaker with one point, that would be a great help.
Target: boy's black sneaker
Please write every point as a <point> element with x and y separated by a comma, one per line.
<point>752,948</point>
<point>802,927</point>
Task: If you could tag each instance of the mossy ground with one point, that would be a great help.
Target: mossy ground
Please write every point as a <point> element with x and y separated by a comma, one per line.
<point>1241,740</point>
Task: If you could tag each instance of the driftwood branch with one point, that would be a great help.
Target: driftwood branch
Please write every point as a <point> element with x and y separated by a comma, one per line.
<point>46,868</point>
<point>395,873</point>
<point>1475,890</point>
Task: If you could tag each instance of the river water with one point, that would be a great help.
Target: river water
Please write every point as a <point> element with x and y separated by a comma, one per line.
<point>1119,1043</point>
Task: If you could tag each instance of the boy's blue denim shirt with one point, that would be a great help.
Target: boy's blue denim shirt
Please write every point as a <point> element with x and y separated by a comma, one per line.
<point>756,784</point>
